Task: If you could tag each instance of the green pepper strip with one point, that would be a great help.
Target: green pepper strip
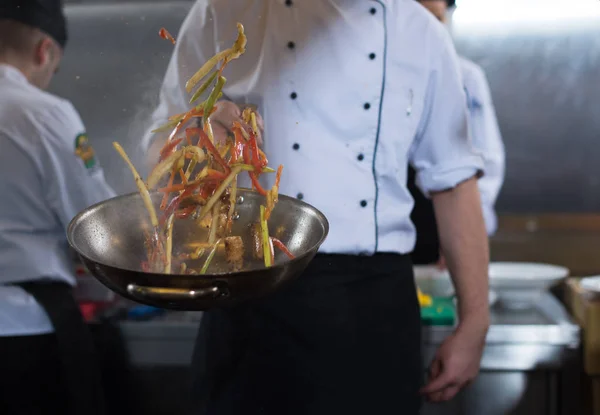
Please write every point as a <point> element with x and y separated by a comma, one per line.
<point>210,257</point>
<point>212,98</point>
<point>205,69</point>
<point>228,55</point>
<point>265,237</point>
<point>204,87</point>
<point>168,125</point>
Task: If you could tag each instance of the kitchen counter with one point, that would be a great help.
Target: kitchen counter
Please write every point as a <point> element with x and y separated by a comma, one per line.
<point>517,340</point>
<point>530,365</point>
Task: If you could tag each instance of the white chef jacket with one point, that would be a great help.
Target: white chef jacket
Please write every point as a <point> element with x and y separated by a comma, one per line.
<point>486,138</point>
<point>351,92</point>
<point>47,175</point>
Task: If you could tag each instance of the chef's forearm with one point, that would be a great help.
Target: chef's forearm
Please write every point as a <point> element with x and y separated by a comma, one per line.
<point>464,243</point>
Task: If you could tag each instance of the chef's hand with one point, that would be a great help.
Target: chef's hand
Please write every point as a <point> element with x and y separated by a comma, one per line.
<point>457,361</point>
<point>226,114</point>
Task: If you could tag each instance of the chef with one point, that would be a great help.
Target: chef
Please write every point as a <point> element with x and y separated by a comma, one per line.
<point>351,92</point>
<point>486,139</point>
<point>48,173</point>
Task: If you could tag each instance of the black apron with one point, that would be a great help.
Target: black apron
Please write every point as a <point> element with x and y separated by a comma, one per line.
<point>427,246</point>
<point>75,345</point>
<point>345,338</point>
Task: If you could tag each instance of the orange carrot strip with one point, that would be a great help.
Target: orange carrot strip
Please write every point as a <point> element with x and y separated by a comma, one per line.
<point>280,245</point>
<point>165,199</point>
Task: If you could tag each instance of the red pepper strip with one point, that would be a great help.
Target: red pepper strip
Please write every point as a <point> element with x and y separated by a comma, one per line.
<point>208,190</point>
<point>170,209</point>
<point>204,140</point>
<point>264,157</point>
<point>195,112</point>
<point>282,247</point>
<point>212,175</point>
<point>185,212</point>
<point>215,175</point>
<point>239,151</point>
<point>145,266</point>
<point>180,125</point>
<point>164,33</point>
<point>163,203</point>
<point>177,200</point>
<point>256,183</point>
<point>246,154</point>
<point>169,148</point>
<point>256,161</point>
<point>238,148</point>
<point>172,188</point>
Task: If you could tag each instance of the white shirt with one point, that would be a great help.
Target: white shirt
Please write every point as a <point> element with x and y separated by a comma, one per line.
<point>367,87</point>
<point>44,183</point>
<point>486,138</point>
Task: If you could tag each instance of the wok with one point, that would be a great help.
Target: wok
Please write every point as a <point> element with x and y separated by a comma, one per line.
<point>109,238</point>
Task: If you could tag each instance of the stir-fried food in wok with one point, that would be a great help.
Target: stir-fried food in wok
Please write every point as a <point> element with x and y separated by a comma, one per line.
<point>206,171</point>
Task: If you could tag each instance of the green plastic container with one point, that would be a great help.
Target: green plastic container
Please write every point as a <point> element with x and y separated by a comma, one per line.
<point>441,312</point>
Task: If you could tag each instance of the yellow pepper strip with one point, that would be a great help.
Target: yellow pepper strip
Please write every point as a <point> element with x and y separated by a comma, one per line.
<point>140,185</point>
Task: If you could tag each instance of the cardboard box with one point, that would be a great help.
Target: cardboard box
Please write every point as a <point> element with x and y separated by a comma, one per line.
<point>586,312</point>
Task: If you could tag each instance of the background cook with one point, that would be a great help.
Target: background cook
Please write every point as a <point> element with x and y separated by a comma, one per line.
<point>48,173</point>
<point>487,139</point>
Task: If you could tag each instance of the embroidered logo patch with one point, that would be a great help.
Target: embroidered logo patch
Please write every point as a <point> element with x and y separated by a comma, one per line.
<point>84,151</point>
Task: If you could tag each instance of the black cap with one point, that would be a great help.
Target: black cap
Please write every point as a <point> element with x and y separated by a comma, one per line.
<point>46,15</point>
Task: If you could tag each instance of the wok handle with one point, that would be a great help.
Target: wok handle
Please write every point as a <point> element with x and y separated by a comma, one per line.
<point>173,294</point>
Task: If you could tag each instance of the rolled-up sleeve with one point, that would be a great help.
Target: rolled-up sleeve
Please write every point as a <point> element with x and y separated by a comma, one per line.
<point>442,153</point>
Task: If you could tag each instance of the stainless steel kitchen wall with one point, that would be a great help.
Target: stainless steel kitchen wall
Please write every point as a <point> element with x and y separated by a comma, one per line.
<point>543,69</point>
<point>542,59</point>
<point>112,71</point>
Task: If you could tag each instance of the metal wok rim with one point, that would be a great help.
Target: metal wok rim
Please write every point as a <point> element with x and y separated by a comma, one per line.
<point>281,265</point>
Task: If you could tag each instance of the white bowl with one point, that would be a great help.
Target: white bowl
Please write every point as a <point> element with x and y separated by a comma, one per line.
<point>433,281</point>
<point>591,287</point>
<point>520,284</point>
<point>438,283</point>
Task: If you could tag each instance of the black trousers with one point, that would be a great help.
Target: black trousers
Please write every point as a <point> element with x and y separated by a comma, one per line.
<point>31,380</point>
<point>345,338</point>
<point>68,355</point>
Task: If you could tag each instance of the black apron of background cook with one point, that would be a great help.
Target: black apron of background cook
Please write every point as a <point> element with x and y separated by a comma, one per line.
<point>427,246</point>
<point>344,338</point>
<point>75,345</point>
